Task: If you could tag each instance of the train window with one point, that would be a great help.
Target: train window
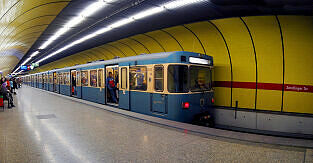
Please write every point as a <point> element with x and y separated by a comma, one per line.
<point>50,78</point>
<point>200,78</point>
<point>100,77</point>
<point>67,78</point>
<point>93,78</point>
<point>177,78</point>
<point>138,78</point>
<point>61,80</point>
<point>64,78</point>
<point>84,78</point>
<point>78,79</point>
<point>158,78</point>
<point>124,78</point>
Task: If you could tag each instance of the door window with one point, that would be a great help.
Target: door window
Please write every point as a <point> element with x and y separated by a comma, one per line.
<point>124,78</point>
<point>78,79</point>
<point>158,78</point>
<point>100,77</point>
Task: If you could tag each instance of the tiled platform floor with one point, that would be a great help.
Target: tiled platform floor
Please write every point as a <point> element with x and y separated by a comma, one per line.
<point>48,128</point>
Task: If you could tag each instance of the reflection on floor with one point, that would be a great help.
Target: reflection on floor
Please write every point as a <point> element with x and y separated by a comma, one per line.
<point>48,128</point>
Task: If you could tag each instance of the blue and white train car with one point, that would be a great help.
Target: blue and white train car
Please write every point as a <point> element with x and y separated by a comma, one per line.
<point>171,85</point>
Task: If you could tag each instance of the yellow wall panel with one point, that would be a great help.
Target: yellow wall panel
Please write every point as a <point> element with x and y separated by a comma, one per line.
<point>88,55</point>
<point>96,53</point>
<point>81,59</point>
<point>269,100</point>
<point>298,102</point>
<point>187,40</point>
<point>113,50</point>
<point>165,40</point>
<point>298,39</point>
<point>215,47</point>
<point>76,60</point>
<point>245,98</point>
<point>139,49</point>
<point>153,46</point>
<point>33,21</point>
<point>242,56</point>
<point>267,41</point>
<point>106,53</point>
<point>127,50</point>
<point>222,96</point>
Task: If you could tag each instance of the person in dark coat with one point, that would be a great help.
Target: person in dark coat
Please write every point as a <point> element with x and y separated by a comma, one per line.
<point>6,93</point>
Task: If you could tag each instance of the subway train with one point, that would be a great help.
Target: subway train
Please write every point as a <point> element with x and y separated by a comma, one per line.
<point>171,85</point>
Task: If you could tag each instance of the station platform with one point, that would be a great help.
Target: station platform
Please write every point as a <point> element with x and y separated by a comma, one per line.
<point>47,127</point>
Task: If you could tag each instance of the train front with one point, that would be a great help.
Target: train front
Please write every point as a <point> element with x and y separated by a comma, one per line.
<point>190,89</point>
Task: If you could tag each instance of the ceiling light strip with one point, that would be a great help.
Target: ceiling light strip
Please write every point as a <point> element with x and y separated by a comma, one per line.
<point>86,12</point>
<point>122,22</point>
<point>143,14</point>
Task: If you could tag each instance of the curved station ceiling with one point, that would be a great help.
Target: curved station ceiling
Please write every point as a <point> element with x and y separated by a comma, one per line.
<point>44,31</point>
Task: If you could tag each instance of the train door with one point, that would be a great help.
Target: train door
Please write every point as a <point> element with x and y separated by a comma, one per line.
<point>43,81</point>
<point>111,85</point>
<point>124,93</point>
<point>37,81</point>
<point>73,83</point>
<point>159,99</point>
<point>78,84</point>
<point>54,82</point>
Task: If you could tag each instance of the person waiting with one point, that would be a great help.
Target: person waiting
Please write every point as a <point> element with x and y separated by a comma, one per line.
<point>111,87</point>
<point>7,95</point>
<point>15,87</point>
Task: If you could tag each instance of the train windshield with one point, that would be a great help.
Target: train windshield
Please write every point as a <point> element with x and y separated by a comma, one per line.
<point>178,78</point>
<point>200,78</point>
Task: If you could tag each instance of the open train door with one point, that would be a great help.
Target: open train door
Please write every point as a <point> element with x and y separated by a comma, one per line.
<point>78,84</point>
<point>124,93</point>
<point>112,85</point>
<point>73,83</point>
<point>55,81</point>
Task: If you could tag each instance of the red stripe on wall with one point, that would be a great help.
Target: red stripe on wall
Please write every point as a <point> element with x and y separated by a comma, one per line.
<point>265,86</point>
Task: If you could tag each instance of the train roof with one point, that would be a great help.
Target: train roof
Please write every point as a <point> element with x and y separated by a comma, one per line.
<point>141,57</point>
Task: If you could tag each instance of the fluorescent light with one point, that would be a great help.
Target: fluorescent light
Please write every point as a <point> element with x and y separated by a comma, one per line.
<point>181,3</point>
<point>86,12</point>
<point>34,54</point>
<point>91,9</point>
<point>73,22</point>
<point>103,30</point>
<point>26,61</point>
<point>149,12</point>
<point>122,22</point>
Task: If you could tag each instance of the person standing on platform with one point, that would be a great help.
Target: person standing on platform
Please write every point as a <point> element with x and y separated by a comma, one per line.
<point>11,85</point>
<point>14,85</point>
<point>111,87</point>
<point>8,84</point>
